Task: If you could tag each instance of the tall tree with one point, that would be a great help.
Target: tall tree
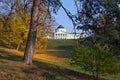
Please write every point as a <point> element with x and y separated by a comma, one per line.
<point>17,19</point>
<point>100,18</point>
<point>29,51</point>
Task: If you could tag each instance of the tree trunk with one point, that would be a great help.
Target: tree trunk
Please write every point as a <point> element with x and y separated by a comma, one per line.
<point>18,46</point>
<point>29,50</point>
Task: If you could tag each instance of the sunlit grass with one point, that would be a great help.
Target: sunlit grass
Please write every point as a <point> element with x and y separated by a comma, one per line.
<point>56,58</point>
<point>43,56</point>
<point>50,58</point>
<point>12,68</point>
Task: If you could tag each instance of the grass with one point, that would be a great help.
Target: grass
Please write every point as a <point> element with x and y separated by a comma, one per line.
<point>67,46</point>
<point>61,44</point>
<point>58,53</point>
<point>12,68</point>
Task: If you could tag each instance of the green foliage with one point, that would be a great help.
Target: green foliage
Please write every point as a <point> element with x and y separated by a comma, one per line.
<point>48,76</point>
<point>114,41</point>
<point>105,26</point>
<point>97,59</point>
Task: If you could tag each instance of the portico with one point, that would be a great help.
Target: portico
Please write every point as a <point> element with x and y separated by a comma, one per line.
<point>60,33</point>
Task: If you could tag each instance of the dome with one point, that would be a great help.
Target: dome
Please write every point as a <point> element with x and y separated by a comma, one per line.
<point>60,28</point>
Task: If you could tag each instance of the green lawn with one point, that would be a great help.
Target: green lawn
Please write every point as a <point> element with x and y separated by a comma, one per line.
<point>65,47</point>
<point>60,47</point>
<point>60,44</point>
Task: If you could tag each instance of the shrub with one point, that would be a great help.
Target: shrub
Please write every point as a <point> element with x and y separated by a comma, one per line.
<point>96,59</point>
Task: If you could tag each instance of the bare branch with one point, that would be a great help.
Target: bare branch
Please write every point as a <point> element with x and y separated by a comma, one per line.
<point>68,14</point>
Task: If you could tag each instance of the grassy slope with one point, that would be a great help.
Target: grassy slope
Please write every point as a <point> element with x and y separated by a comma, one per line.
<point>61,44</point>
<point>67,46</point>
<point>12,68</point>
<point>58,53</point>
<point>61,48</point>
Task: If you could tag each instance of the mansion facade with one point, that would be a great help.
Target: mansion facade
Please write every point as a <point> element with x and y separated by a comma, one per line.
<point>60,33</point>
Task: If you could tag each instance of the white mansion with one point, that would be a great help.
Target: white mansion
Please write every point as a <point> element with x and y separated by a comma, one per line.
<point>60,33</point>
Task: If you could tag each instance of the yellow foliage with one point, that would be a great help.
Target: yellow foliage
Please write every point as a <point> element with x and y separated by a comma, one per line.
<point>17,25</point>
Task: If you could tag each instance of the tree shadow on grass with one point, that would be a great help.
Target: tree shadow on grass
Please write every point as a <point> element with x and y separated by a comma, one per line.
<point>49,70</point>
<point>67,47</point>
<point>57,70</point>
<point>59,51</point>
<point>47,67</point>
<point>8,56</point>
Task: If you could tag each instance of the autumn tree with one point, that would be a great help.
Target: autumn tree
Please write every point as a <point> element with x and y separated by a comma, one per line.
<point>15,24</point>
<point>36,8</point>
<point>17,20</point>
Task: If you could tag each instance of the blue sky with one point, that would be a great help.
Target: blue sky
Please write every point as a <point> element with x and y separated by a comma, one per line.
<point>61,17</point>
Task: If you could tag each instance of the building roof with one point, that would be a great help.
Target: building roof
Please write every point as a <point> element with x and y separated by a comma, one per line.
<point>60,26</point>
